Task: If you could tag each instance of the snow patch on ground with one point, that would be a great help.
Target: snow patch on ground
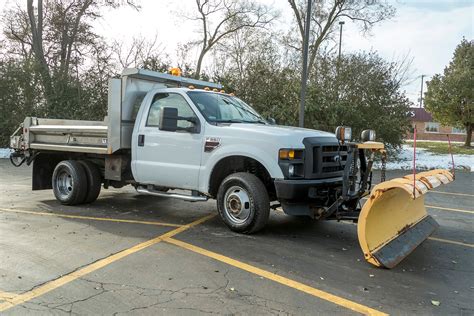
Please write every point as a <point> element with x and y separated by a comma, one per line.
<point>427,160</point>
<point>5,152</point>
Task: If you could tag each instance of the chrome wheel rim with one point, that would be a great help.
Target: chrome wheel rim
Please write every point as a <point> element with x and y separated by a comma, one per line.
<point>64,184</point>
<point>237,204</point>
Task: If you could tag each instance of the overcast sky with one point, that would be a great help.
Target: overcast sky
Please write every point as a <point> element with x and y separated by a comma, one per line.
<point>427,30</point>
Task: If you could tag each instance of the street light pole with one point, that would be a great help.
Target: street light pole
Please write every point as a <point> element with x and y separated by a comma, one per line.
<point>304,75</point>
<point>341,23</point>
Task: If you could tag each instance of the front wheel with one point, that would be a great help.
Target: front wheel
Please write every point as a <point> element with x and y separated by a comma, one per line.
<point>243,203</point>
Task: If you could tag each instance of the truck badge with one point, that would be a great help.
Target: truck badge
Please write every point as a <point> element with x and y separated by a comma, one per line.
<point>211,144</point>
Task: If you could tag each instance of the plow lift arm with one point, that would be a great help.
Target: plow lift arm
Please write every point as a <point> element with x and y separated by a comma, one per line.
<point>393,221</point>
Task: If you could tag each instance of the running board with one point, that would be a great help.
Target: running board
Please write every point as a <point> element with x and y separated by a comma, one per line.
<point>190,198</point>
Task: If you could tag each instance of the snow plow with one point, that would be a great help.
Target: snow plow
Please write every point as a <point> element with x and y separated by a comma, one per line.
<point>393,221</point>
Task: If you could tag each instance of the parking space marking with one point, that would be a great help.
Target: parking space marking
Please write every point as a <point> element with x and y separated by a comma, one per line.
<point>278,278</point>
<point>452,193</point>
<point>65,279</point>
<point>117,220</point>
<point>6,296</point>
<point>449,209</point>
<point>452,242</point>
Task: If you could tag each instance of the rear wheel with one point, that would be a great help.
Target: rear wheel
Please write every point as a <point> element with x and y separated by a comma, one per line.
<point>69,182</point>
<point>94,180</point>
<point>243,203</point>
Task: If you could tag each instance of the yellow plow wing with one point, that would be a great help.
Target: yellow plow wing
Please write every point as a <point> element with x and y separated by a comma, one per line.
<point>394,221</point>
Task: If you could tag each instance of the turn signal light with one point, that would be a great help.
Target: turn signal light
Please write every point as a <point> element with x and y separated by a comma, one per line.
<point>290,154</point>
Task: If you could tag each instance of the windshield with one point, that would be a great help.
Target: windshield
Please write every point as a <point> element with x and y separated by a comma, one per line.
<point>220,108</point>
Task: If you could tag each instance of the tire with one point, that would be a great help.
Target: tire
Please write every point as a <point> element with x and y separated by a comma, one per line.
<point>94,180</point>
<point>69,182</point>
<point>234,193</point>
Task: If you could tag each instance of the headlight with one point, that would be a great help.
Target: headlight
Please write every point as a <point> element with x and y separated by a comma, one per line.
<point>343,133</point>
<point>368,135</point>
<point>290,154</point>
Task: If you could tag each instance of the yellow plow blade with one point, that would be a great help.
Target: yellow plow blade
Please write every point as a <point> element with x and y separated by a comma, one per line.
<point>394,221</point>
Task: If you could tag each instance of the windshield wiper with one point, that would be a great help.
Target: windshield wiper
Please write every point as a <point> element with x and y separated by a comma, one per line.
<point>240,121</point>
<point>256,122</point>
<point>229,121</point>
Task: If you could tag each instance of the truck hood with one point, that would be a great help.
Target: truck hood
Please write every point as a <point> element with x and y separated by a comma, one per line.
<point>288,135</point>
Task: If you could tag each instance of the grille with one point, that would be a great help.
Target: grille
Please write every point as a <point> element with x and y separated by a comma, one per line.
<point>329,160</point>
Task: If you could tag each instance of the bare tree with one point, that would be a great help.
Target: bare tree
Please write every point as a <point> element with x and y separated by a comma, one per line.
<point>221,18</point>
<point>36,27</point>
<point>57,34</point>
<point>241,48</point>
<point>325,14</point>
<point>141,53</point>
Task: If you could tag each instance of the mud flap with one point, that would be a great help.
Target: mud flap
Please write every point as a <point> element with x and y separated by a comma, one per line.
<point>394,221</point>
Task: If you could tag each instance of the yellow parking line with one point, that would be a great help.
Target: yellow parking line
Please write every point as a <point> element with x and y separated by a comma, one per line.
<point>451,242</point>
<point>6,296</point>
<point>278,278</point>
<point>130,221</point>
<point>49,286</point>
<point>449,209</point>
<point>452,193</point>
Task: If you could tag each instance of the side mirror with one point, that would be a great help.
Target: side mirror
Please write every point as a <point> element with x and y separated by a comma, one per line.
<point>169,119</point>
<point>271,121</point>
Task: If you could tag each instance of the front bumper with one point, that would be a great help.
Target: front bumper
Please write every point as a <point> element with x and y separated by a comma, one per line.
<point>299,190</point>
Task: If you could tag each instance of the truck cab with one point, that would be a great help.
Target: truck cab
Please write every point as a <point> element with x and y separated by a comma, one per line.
<point>194,139</point>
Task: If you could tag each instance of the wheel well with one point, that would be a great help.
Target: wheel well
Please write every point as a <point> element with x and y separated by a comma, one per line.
<point>232,164</point>
<point>45,163</point>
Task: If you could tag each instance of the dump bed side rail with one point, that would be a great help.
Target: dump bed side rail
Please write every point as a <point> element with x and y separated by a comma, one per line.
<point>64,135</point>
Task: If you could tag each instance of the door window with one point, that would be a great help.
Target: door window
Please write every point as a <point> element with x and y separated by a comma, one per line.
<point>171,100</point>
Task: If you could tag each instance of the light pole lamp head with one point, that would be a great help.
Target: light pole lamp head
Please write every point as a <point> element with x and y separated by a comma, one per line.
<point>341,23</point>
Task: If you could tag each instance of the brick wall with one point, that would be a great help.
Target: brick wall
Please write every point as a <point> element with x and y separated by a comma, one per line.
<point>421,134</point>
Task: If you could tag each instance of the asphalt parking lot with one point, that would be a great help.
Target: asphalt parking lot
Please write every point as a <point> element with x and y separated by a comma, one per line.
<point>129,254</point>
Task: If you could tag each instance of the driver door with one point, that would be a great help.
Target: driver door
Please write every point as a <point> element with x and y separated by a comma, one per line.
<point>164,158</point>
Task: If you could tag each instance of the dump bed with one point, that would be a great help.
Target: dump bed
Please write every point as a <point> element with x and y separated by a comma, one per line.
<point>114,133</point>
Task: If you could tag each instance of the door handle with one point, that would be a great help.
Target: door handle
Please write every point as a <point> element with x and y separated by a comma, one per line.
<point>141,140</point>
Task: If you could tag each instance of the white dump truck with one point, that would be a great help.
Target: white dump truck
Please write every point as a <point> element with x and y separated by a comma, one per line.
<point>176,137</point>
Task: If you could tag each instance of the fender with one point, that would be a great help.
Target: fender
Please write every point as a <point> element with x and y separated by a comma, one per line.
<point>269,161</point>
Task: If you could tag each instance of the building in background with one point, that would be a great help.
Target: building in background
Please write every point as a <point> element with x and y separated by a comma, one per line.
<point>427,129</point>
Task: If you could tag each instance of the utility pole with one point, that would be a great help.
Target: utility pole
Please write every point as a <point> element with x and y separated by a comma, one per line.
<point>421,91</point>
<point>304,75</point>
